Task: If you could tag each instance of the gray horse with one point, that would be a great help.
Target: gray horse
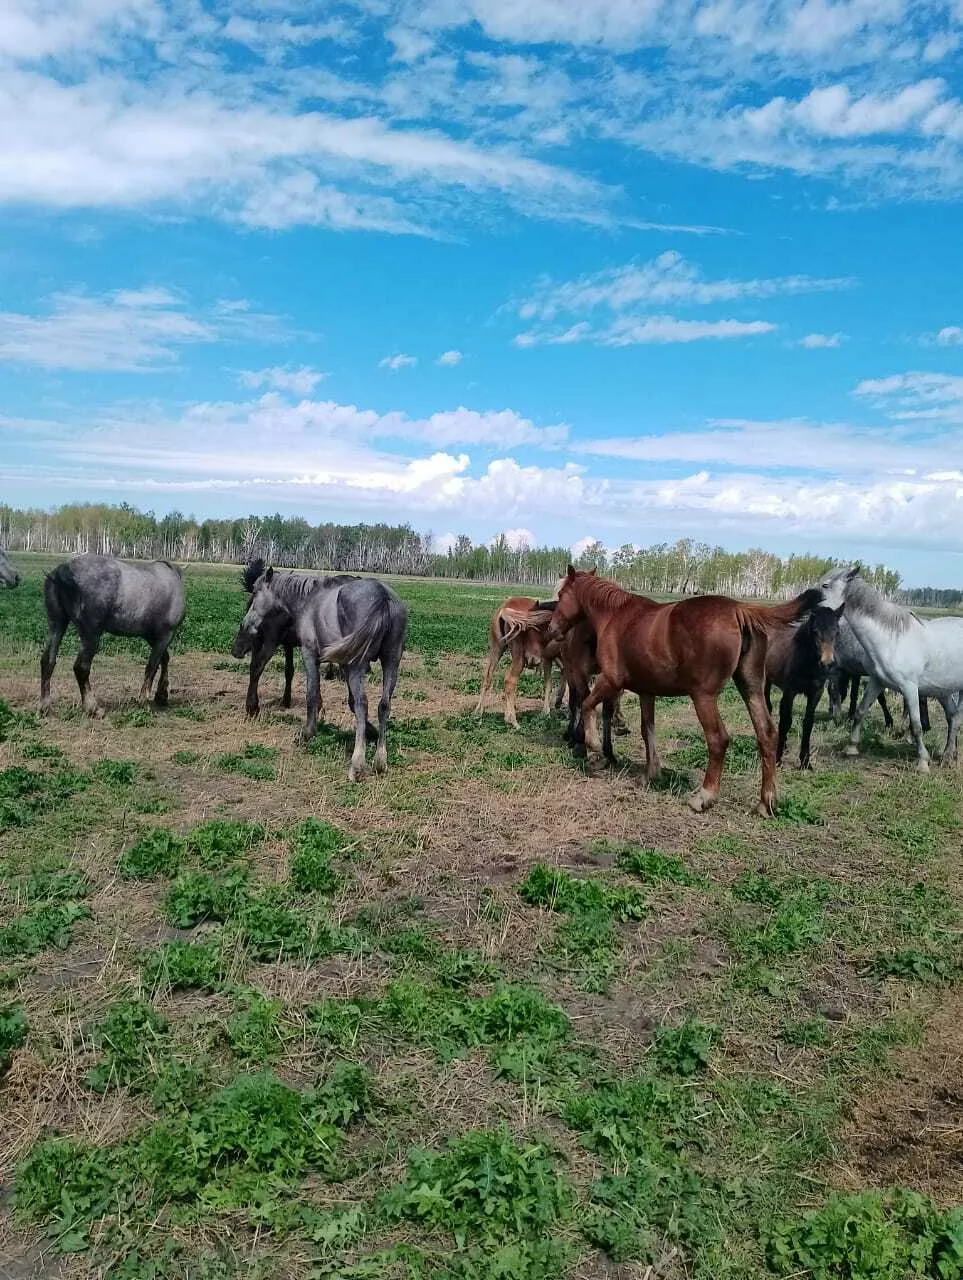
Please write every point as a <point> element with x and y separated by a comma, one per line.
<point>352,624</point>
<point>277,628</point>
<point>101,594</point>
<point>8,574</point>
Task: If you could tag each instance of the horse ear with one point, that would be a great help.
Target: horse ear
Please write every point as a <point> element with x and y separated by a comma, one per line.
<point>571,572</point>
<point>594,570</point>
<point>853,571</point>
<point>269,575</point>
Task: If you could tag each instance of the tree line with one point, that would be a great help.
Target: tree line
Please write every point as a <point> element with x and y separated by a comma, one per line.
<point>679,568</point>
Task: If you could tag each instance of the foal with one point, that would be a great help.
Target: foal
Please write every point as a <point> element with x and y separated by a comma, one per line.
<point>798,661</point>
<point>518,625</point>
<point>691,647</point>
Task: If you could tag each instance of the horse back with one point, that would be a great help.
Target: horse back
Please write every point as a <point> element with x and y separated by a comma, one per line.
<point>671,649</point>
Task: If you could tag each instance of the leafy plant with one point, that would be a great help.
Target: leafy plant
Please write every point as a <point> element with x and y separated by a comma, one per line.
<point>195,896</point>
<point>133,1036</point>
<point>115,773</point>
<point>558,891</point>
<point>315,845</point>
<point>915,965</point>
<point>48,924</point>
<point>254,761</point>
<point>13,1032</point>
<point>685,1050</point>
<point>180,965</point>
<point>651,866</point>
<point>254,1032</point>
<point>157,853</point>
<point>217,844</point>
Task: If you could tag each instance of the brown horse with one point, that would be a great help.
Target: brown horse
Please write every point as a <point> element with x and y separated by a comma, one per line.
<point>691,647</point>
<point>519,625</point>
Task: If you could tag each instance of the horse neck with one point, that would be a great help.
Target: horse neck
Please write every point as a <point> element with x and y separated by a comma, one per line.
<point>598,605</point>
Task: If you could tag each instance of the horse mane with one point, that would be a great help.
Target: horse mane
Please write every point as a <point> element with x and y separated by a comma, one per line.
<point>604,592</point>
<point>860,595</point>
<point>251,572</point>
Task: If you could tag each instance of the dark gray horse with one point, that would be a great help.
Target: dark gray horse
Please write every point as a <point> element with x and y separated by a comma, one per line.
<point>101,594</point>
<point>277,629</point>
<point>8,574</point>
<point>352,624</point>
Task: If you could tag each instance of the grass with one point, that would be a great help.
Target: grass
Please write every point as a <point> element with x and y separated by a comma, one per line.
<point>485,1018</point>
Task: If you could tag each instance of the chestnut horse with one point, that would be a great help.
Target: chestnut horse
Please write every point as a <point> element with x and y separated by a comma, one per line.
<point>666,650</point>
<point>519,625</point>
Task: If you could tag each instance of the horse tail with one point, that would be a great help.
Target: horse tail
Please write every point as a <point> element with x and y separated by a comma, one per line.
<point>364,644</point>
<point>60,594</point>
<point>514,622</point>
<point>758,619</point>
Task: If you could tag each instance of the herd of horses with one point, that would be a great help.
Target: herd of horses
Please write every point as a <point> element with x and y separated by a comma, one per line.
<point>606,640</point>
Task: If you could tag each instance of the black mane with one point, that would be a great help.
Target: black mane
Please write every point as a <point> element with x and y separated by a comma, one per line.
<point>251,572</point>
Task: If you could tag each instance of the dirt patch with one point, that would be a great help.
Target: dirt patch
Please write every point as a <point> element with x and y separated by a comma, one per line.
<point>909,1132</point>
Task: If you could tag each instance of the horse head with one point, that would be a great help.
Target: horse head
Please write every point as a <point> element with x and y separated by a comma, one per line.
<point>263,607</point>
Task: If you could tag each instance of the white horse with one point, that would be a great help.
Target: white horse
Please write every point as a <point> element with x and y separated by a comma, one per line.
<point>912,654</point>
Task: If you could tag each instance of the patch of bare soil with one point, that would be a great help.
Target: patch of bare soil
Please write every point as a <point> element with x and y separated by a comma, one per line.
<point>909,1132</point>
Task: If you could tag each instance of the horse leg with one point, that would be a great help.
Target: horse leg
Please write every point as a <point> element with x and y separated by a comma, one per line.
<point>618,720</point>
<point>288,673</point>
<point>653,765</point>
<point>884,706</point>
<point>89,645</point>
<point>260,657</point>
<point>603,689</point>
<point>837,691</point>
<point>749,678</point>
<point>488,676</point>
<point>359,694</point>
<point>371,733</point>
<point>870,694</point>
<point>812,701</point>
<point>717,743</point>
<point>912,695</point>
<point>312,693</point>
<point>769,696</point>
<point>48,660</point>
<point>608,710</point>
<point>785,722</point>
<point>924,714</point>
<point>547,664</point>
<point>953,710</point>
<point>560,696</point>
<point>854,684</point>
<point>389,678</point>
<point>163,686</point>
<point>511,687</point>
<point>152,667</point>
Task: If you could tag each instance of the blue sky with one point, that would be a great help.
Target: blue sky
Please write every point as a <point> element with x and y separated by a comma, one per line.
<point>628,270</point>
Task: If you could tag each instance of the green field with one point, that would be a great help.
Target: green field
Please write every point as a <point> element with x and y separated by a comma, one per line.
<point>490,1017</point>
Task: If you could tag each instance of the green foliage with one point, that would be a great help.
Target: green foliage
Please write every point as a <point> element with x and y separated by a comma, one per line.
<point>186,757</point>
<point>269,929</point>
<point>52,886</point>
<point>217,844</point>
<point>558,891</point>
<point>314,846</point>
<point>254,761</point>
<point>685,1050</point>
<point>629,1118</point>
<point>115,773</point>
<point>157,853</point>
<point>753,886</point>
<point>915,965</point>
<point>632,1213</point>
<point>871,1236</point>
<point>742,755</point>
<point>132,1036</point>
<point>807,1032</point>
<point>795,922</point>
<point>797,810</point>
<point>651,866</point>
<point>254,1032</point>
<point>196,896</point>
<point>181,965</point>
<point>48,924</point>
<point>25,794</point>
<point>13,1032</point>
<point>483,1187</point>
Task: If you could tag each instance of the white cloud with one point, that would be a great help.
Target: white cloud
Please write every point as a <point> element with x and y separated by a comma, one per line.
<point>627,331</point>
<point>917,397</point>
<point>301,382</point>
<point>450,358</point>
<point>516,539</point>
<point>442,543</point>
<point>579,548</point>
<point>400,361</point>
<point>134,330</point>
<point>950,336</point>
<point>816,341</point>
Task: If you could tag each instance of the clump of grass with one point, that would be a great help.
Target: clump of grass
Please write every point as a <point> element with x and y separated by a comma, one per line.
<point>254,1033</point>
<point>13,1032</point>
<point>558,891</point>
<point>133,1037</point>
<point>651,866</point>
<point>47,924</point>
<point>796,810</point>
<point>186,757</point>
<point>269,929</point>
<point>115,773</point>
<point>26,794</point>
<point>182,965</point>
<point>314,846</point>
<point>807,1033</point>
<point>159,852</point>
<point>217,844</point>
<point>754,886</point>
<point>915,965</point>
<point>893,1235</point>
<point>795,923</point>
<point>685,1050</point>
<point>254,761</point>
<point>196,896</point>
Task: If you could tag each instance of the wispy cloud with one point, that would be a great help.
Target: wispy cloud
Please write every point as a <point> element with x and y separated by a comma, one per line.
<point>301,381</point>
<point>819,341</point>
<point>917,397</point>
<point>628,331</point>
<point>449,359</point>
<point>400,361</point>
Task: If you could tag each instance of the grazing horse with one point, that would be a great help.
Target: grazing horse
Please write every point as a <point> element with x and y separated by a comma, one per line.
<point>101,594</point>
<point>352,624</point>
<point>915,655</point>
<point>690,647</point>
<point>518,626</point>
<point>799,660</point>
<point>277,629</point>
<point>8,574</point>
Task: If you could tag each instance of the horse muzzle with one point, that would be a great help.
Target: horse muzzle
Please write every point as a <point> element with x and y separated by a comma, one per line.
<point>827,656</point>
<point>242,646</point>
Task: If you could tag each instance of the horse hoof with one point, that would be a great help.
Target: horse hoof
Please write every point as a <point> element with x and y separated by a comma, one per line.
<point>805,766</point>
<point>380,763</point>
<point>850,751</point>
<point>700,801</point>
<point>922,766</point>
<point>653,777</point>
<point>355,775</point>
<point>45,709</point>
<point>160,700</point>
<point>765,810</point>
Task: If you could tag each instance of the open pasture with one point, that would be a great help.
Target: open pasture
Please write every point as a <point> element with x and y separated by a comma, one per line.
<point>485,1018</point>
